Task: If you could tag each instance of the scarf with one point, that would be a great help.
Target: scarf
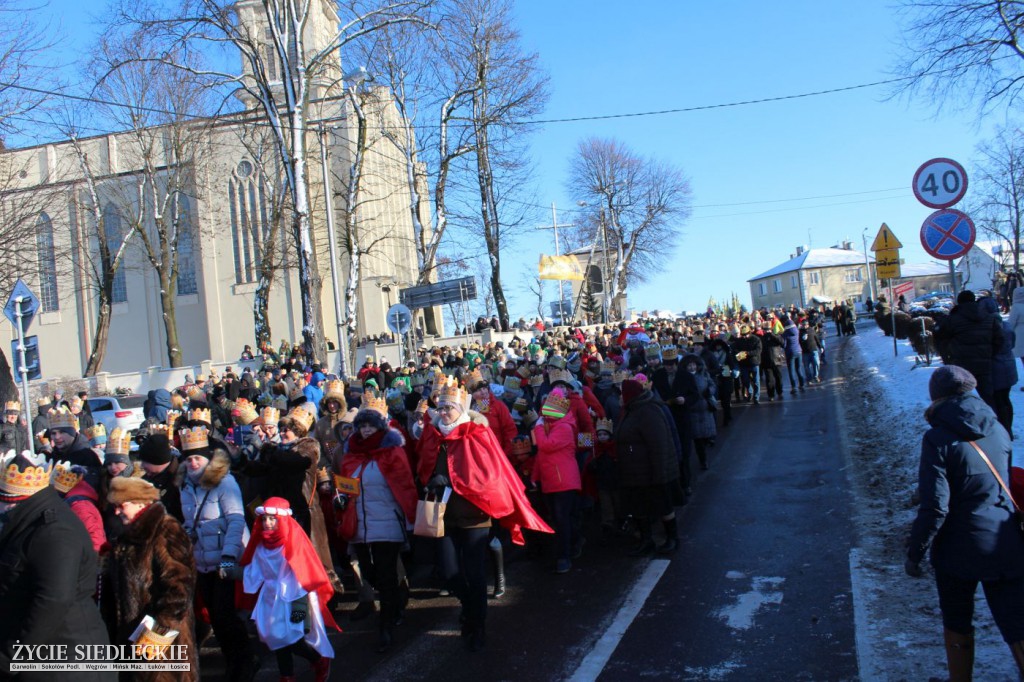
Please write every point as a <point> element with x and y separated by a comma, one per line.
<point>445,430</point>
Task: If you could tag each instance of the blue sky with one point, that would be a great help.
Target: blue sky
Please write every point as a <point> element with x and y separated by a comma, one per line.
<point>765,178</point>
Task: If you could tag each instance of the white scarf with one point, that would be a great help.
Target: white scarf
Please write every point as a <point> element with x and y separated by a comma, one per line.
<point>445,430</point>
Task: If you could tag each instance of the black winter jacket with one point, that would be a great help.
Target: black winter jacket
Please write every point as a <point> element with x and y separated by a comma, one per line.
<point>972,336</point>
<point>645,444</point>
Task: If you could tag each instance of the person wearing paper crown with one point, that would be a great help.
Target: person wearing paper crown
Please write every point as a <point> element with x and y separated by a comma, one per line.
<point>292,590</point>
<point>151,572</point>
<point>384,504</point>
<point>80,495</point>
<point>459,451</point>
<point>211,504</point>
<point>13,434</point>
<point>68,444</point>
<point>49,569</point>
<point>499,419</point>
<point>291,467</point>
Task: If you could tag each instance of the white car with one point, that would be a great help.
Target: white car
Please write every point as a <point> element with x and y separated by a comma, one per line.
<point>118,411</point>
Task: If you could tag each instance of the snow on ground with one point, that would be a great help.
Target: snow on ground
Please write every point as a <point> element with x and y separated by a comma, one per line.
<point>899,625</point>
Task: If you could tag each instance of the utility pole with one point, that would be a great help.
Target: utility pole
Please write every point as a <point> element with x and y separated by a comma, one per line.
<point>331,239</point>
<point>554,226</point>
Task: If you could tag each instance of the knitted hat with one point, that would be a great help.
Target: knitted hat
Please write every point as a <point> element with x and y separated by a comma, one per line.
<point>556,405</point>
<point>370,417</point>
<point>950,380</point>
<point>156,449</point>
<point>631,389</point>
<point>132,490</point>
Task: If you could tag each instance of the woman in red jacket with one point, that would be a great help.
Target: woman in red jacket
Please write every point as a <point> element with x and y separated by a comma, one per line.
<point>558,473</point>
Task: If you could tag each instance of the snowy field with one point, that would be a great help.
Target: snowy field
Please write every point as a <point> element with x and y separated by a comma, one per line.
<point>898,622</point>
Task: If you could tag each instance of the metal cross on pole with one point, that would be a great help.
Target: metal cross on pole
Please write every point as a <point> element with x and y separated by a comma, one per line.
<point>554,226</point>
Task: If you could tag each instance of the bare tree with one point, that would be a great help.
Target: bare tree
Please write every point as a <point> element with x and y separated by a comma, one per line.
<point>534,285</point>
<point>639,203</point>
<point>169,143</point>
<point>291,73</point>
<point>998,188</point>
<point>507,88</point>
<point>963,51</point>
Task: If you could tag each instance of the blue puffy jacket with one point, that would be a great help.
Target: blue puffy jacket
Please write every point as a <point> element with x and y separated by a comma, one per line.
<point>791,340</point>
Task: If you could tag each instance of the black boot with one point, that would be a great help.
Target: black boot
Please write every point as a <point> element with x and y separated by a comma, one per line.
<point>387,622</point>
<point>671,543</point>
<point>498,559</point>
<point>646,544</point>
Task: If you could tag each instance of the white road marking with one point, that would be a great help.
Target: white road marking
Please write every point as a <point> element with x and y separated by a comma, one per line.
<point>594,662</point>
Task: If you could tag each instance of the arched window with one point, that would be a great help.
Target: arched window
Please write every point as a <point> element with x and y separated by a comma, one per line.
<point>186,250</point>
<point>114,234</point>
<point>249,224</point>
<point>46,258</point>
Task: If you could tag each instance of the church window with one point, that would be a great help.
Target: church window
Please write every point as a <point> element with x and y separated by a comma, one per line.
<point>186,250</point>
<point>46,258</point>
<point>114,236</point>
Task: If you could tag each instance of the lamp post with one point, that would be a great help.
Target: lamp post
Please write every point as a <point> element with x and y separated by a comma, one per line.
<point>867,267</point>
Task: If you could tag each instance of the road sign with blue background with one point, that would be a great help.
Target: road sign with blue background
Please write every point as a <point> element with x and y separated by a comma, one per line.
<point>29,305</point>
<point>947,234</point>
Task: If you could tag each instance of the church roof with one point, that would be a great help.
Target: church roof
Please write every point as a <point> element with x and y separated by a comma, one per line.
<point>816,258</point>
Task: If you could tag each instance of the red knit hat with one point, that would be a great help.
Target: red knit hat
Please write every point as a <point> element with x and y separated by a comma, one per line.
<point>631,388</point>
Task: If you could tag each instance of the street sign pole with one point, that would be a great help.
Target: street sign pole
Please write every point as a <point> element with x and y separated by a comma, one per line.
<point>952,279</point>
<point>24,374</point>
<point>892,314</point>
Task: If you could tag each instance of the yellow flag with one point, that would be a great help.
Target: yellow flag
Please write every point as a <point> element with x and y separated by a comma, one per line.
<point>561,267</point>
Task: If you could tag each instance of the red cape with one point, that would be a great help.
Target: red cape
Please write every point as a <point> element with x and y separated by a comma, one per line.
<point>301,558</point>
<point>481,473</point>
<point>389,453</point>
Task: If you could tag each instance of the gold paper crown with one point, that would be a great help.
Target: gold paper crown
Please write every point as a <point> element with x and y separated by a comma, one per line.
<point>162,429</point>
<point>201,414</point>
<point>608,367</point>
<point>302,416</point>
<point>474,379</point>
<point>669,353</point>
<point>376,403</point>
<point>172,418</point>
<point>61,418</point>
<point>63,478</point>
<point>619,376</point>
<point>195,438</point>
<point>653,348</point>
<point>604,425</point>
<point>335,389</point>
<point>43,401</point>
<point>96,432</point>
<point>521,446</point>
<point>449,392</point>
<point>27,482</point>
<point>270,415</point>
<point>119,442</point>
<point>76,402</point>
<point>244,412</point>
<point>513,383</point>
<point>560,375</point>
<point>194,391</point>
<point>12,406</point>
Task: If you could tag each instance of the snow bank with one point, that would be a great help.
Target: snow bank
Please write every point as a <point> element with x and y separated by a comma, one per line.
<point>899,627</point>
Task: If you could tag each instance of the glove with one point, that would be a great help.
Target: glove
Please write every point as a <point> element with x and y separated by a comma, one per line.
<point>913,568</point>
<point>437,485</point>
<point>228,569</point>
<point>300,608</point>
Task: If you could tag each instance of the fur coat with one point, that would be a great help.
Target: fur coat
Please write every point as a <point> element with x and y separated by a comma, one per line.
<point>153,573</point>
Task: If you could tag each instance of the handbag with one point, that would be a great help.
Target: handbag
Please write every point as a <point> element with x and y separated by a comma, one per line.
<point>430,515</point>
<point>1020,513</point>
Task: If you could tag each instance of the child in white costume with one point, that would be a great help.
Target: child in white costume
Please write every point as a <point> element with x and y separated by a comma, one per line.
<point>291,614</point>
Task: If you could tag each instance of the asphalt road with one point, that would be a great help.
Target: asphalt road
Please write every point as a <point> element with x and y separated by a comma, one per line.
<point>759,590</point>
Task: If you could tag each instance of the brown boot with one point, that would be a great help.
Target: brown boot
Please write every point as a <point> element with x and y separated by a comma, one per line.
<point>960,656</point>
<point>1018,655</point>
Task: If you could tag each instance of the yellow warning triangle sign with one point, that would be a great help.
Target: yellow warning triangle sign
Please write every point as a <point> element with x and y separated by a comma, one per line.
<point>885,239</point>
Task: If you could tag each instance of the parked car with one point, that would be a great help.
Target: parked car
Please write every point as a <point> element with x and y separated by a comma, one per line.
<point>123,411</point>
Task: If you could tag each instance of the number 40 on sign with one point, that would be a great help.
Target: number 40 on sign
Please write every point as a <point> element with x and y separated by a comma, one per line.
<point>940,183</point>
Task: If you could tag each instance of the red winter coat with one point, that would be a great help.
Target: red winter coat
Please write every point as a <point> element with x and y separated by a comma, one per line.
<point>499,420</point>
<point>83,501</point>
<point>555,467</point>
<point>592,402</point>
<point>386,448</point>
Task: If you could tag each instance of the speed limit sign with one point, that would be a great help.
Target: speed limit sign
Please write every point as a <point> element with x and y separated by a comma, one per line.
<point>940,183</point>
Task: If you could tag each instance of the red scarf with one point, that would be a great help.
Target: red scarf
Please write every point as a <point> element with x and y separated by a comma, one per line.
<point>298,552</point>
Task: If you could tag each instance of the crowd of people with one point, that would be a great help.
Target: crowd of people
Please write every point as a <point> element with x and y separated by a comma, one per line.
<point>269,491</point>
